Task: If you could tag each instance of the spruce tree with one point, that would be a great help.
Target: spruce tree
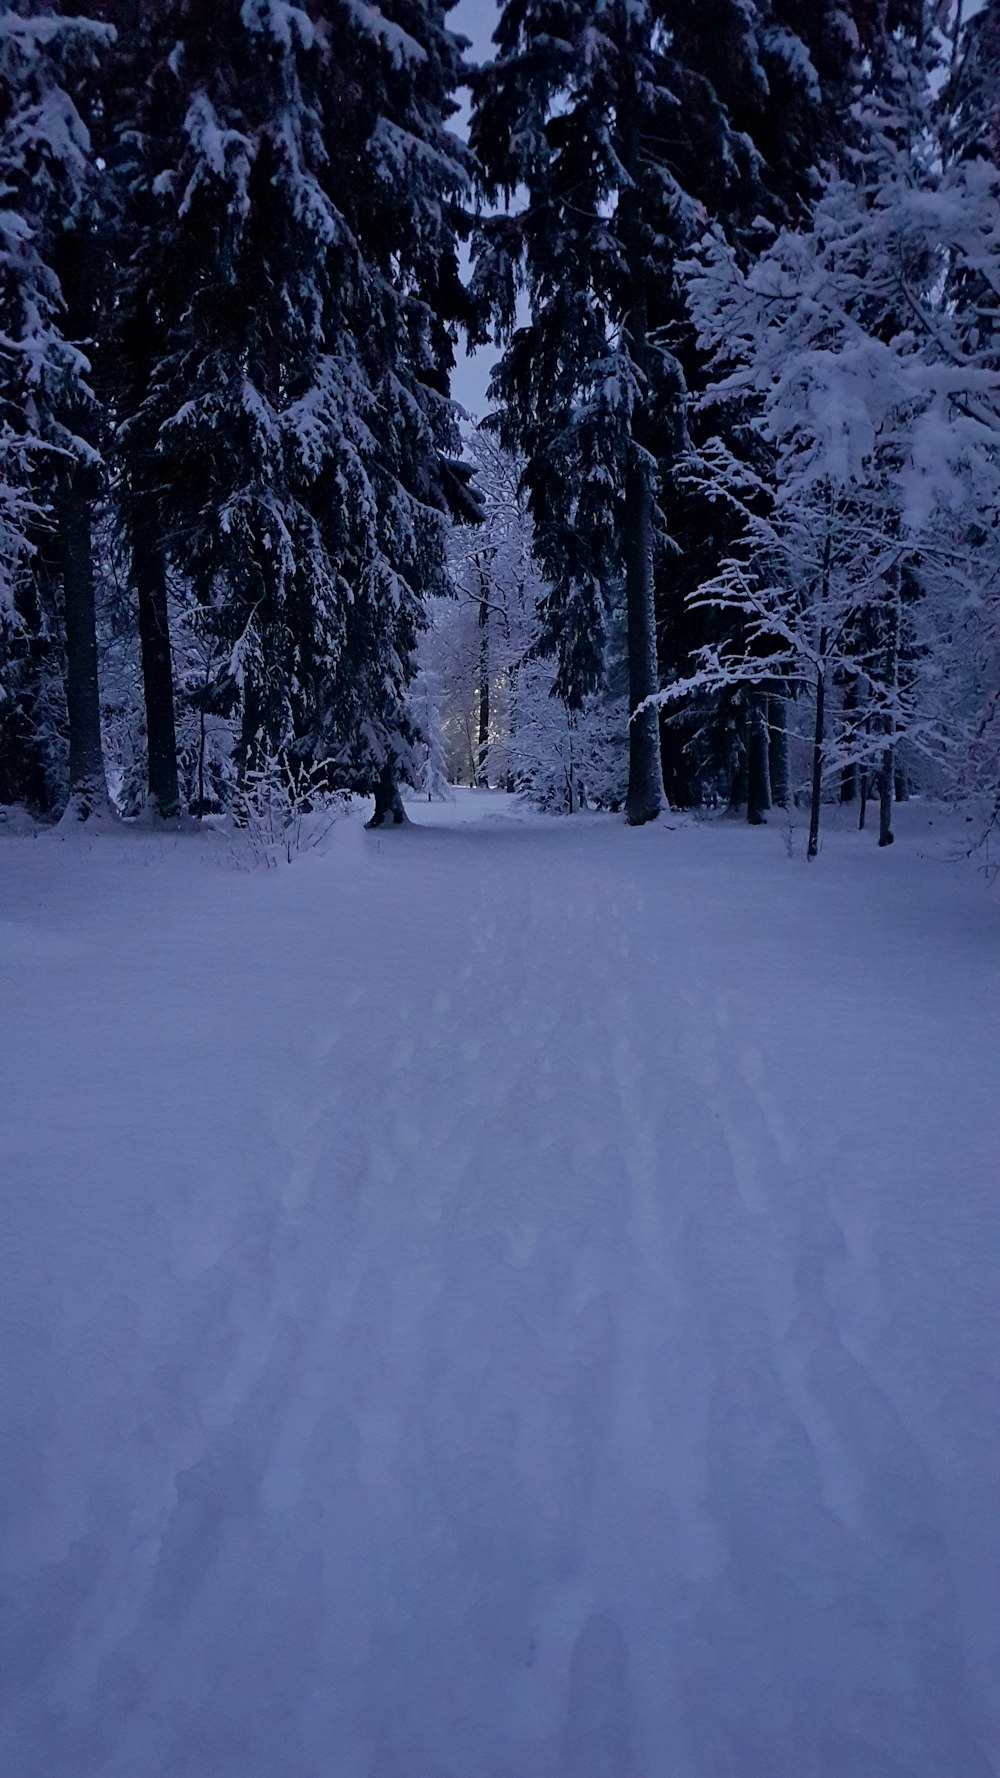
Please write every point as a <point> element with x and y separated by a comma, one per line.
<point>129,353</point>
<point>789,73</point>
<point>49,292</point>
<point>224,333</point>
<point>291,289</point>
<point>971,101</point>
<point>26,289</point>
<point>847,351</point>
<point>625,126</point>
<point>404,180</point>
<point>786,72</point>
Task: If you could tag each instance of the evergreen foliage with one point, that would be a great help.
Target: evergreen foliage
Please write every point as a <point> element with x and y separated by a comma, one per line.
<point>50,422</point>
<point>283,201</point>
<point>880,424</point>
<point>741,260</point>
<point>290,431</point>
<point>971,108</point>
<point>579,111</point>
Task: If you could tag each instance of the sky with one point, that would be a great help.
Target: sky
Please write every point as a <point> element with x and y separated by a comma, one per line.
<point>475,19</point>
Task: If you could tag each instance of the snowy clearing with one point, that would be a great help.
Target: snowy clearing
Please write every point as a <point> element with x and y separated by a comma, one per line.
<point>511,1298</point>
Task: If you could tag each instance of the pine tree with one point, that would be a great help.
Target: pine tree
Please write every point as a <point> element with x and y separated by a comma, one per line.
<point>790,83</point>
<point>971,100</point>
<point>407,179</point>
<point>880,427</point>
<point>49,59</point>
<point>787,73</point>
<point>578,110</point>
<point>296,269</point>
<point>626,126</point>
<point>969,115</point>
<point>129,357</point>
<point>22,775</point>
<point>228,407</point>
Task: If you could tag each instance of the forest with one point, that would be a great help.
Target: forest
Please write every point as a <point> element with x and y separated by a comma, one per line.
<point>499,807</point>
<point>728,536</point>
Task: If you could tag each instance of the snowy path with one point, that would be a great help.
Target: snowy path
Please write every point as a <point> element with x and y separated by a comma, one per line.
<point>514,1299</point>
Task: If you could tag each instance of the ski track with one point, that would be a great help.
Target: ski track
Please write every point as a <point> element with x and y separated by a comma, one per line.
<point>518,1316</point>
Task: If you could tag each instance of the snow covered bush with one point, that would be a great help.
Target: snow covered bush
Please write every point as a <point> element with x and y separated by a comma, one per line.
<point>283,809</point>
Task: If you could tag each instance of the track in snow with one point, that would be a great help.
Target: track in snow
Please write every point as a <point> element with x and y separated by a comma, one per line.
<point>512,1299</point>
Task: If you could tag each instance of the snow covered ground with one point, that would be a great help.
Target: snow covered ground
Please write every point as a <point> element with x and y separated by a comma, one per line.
<point>513,1298</point>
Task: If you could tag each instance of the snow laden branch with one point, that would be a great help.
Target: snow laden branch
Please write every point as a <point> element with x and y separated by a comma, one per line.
<point>868,406</point>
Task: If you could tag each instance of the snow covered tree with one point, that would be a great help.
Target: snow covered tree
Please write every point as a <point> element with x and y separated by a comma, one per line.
<point>789,74</point>
<point>496,584</point>
<point>295,266</point>
<point>505,720</point>
<point>562,759</point>
<point>971,100</point>
<point>482,630</point>
<point>966,333</point>
<point>577,112</point>
<point>233,406</point>
<point>881,428</point>
<point>408,179</point>
<point>620,127</point>
<point>22,777</point>
<point>49,57</point>
<point>130,351</point>
<point>424,705</point>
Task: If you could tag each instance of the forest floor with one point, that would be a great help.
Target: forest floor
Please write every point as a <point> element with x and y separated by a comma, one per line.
<point>507,1298</point>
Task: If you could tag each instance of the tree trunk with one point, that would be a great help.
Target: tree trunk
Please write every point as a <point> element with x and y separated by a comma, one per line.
<point>902,782</point>
<point>644,800</point>
<point>781,787</point>
<point>819,733</point>
<point>483,749</point>
<point>819,737</point>
<point>28,666</point>
<point>885,796</point>
<point>252,756</point>
<point>849,777</point>
<point>157,674</point>
<point>758,762</point>
<point>202,740</point>
<point>88,787</point>
<point>645,771</point>
<point>389,810</point>
<point>739,776</point>
<point>888,775</point>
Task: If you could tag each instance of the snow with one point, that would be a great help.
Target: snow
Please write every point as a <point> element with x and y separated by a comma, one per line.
<point>226,154</point>
<point>510,1298</point>
<point>402,48</point>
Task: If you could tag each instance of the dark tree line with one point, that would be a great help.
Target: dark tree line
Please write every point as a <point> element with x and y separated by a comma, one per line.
<point>230,239</point>
<point>230,293</point>
<point>617,133</point>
